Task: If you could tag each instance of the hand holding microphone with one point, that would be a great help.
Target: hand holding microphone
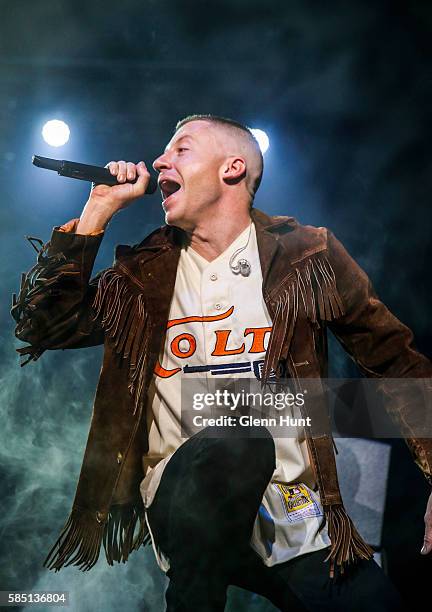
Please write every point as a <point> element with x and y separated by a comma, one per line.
<point>114,187</point>
<point>129,182</point>
<point>105,201</point>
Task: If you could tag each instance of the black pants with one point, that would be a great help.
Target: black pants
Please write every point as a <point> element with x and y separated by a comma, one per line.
<point>202,519</point>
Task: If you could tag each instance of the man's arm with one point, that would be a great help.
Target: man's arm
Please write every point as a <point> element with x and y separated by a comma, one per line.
<point>382,347</point>
<point>54,306</point>
<point>380,344</point>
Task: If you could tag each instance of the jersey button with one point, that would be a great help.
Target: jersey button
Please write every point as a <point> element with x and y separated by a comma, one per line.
<point>213,277</point>
<point>218,306</point>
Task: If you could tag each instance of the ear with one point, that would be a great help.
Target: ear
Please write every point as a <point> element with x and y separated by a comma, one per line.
<point>233,170</point>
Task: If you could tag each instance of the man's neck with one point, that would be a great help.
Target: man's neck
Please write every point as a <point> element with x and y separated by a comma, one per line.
<point>214,238</point>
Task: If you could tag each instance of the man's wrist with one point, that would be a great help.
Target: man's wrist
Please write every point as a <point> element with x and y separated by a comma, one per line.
<point>71,228</point>
<point>93,220</point>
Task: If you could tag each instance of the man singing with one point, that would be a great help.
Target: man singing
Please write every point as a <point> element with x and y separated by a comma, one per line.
<point>221,290</point>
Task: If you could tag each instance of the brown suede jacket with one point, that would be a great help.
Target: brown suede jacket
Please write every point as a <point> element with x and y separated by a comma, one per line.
<point>309,283</point>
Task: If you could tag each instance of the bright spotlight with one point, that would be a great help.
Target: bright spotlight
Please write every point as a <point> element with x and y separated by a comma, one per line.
<point>262,139</point>
<point>56,133</point>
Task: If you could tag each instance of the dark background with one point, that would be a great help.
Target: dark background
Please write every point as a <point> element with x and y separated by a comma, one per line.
<point>344,91</point>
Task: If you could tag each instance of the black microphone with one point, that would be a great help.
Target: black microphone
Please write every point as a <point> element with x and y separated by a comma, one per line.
<point>84,172</point>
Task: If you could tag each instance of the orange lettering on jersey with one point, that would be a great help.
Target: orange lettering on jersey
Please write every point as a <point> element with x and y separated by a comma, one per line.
<point>201,319</point>
<point>163,373</point>
<point>175,346</point>
<point>220,348</point>
<point>257,338</point>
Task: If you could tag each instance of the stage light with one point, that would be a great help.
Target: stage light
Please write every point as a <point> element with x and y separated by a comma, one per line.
<point>56,133</point>
<point>262,138</point>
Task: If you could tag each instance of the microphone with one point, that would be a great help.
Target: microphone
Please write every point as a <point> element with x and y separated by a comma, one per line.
<point>84,172</point>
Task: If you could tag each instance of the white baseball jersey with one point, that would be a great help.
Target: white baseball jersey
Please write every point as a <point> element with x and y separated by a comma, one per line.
<point>219,326</point>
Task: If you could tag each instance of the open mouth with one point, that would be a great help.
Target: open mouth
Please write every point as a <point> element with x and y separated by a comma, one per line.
<point>168,187</point>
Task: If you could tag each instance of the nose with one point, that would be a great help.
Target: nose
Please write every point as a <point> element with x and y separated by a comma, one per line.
<point>161,162</point>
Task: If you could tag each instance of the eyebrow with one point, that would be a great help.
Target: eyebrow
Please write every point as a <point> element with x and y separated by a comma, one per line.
<point>186,136</point>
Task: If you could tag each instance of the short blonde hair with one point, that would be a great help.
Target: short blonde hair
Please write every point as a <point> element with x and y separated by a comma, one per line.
<point>247,142</point>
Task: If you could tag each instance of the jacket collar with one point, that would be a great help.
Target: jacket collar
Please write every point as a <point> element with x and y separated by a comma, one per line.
<point>269,223</point>
<point>268,230</point>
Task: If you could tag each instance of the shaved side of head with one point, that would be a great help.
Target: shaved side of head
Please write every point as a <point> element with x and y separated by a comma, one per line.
<point>237,139</point>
